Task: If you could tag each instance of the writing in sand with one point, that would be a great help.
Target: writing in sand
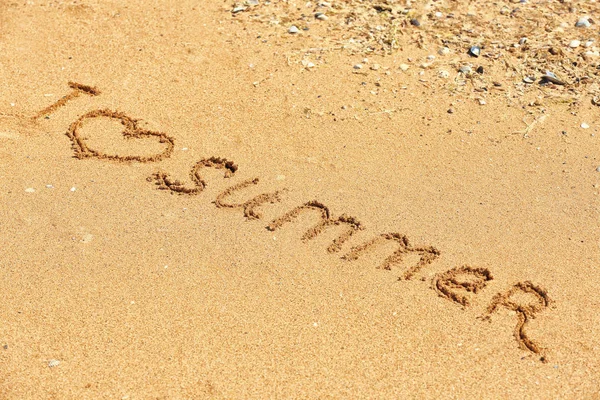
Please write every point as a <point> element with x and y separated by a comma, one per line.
<point>458,285</point>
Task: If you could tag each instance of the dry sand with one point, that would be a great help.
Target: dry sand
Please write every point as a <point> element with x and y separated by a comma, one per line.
<point>467,265</point>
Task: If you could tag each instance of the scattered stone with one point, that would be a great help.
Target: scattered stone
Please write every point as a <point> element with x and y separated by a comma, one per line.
<point>465,69</point>
<point>375,67</point>
<point>415,22</point>
<point>550,77</point>
<point>598,169</point>
<point>522,41</point>
<point>53,363</point>
<point>444,74</point>
<point>574,44</point>
<point>49,186</point>
<point>404,67</point>
<point>238,9</point>
<point>293,29</point>
<point>474,51</point>
<point>30,190</point>
<point>73,189</point>
<point>443,51</point>
<point>528,79</point>
<point>481,101</point>
<point>358,66</point>
<point>584,125</point>
<point>438,14</point>
<point>321,16</point>
<point>451,110</point>
<point>583,22</point>
<point>479,69</point>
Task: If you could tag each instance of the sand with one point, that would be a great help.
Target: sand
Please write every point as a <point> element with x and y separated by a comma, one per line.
<point>191,210</point>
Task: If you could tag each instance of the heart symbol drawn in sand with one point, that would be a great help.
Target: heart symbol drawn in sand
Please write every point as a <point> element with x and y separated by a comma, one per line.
<point>132,131</point>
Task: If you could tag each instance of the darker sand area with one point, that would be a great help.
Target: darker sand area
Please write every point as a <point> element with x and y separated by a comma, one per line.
<point>199,204</point>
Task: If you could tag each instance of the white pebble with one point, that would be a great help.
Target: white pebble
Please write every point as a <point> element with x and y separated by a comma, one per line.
<point>50,186</point>
<point>53,363</point>
<point>73,189</point>
<point>583,22</point>
<point>30,190</point>
<point>404,67</point>
<point>293,29</point>
<point>574,44</point>
<point>584,125</point>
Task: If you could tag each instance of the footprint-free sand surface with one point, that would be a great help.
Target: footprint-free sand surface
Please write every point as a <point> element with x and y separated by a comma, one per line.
<point>198,204</point>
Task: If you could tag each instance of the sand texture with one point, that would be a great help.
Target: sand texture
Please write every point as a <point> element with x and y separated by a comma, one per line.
<point>279,200</point>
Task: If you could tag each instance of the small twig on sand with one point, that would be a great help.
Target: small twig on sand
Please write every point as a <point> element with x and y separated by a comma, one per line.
<point>525,132</point>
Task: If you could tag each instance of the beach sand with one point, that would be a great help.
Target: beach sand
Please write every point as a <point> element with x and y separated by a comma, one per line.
<point>128,271</point>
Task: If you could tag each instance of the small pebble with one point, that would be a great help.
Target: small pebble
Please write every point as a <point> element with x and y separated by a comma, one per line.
<point>438,14</point>
<point>474,51</point>
<point>49,186</point>
<point>443,51</point>
<point>53,363</point>
<point>522,41</point>
<point>321,16</point>
<point>451,111</point>
<point>358,66</point>
<point>598,169</point>
<point>73,189</point>
<point>549,76</point>
<point>293,29</point>
<point>574,44</point>
<point>444,74</point>
<point>404,67</point>
<point>415,22</point>
<point>584,125</point>
<point>375,67</point>
<point>30,190</point>
<point>465,69</point>
<point>583,22</point>
<point>238,9</point>
<point>479,69</point>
